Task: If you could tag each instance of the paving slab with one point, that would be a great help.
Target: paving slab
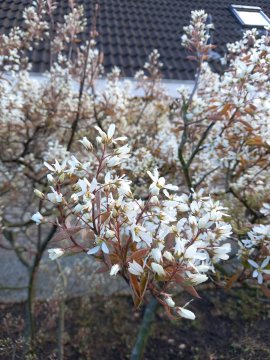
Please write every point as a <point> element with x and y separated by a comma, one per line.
<point>79,272</point>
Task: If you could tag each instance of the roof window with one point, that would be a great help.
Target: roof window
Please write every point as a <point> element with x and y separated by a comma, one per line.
<point>251,16</point>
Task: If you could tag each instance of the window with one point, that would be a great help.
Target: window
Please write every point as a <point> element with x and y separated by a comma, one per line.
<point>252,16</point>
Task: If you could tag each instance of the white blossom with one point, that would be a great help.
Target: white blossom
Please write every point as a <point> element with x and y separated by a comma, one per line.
<point>86,143</point>
<point>135,268</point>
<point>158,269</point>
<point>114,269</point>
<point>169,301</point>
<point>185,313</point>
<point>260,269</point>
<point>37,218</point>
<point>55,253</point>
<point>159,183</point>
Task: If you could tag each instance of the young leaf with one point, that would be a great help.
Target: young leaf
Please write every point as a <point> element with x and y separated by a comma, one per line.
<point>138,255</point>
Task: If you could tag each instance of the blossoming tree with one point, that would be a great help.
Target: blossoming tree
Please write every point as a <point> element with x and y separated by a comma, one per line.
<point>101,162</point>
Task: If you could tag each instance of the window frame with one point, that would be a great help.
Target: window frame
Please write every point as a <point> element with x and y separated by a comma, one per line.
<point>238,8</point>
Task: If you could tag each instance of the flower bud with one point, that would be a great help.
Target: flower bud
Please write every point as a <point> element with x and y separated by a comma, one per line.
<point>114,269</point>
<point>168,256</point>
<point>86,143</point>
<point>55,253</point>
<point>185,313</point>
<point>158,269</point>
<point>154,200</point>
<point>74,198</point>
<point>37,218</point>
<point>109,233</point>
<point>39,194</point>
<point>50,178</point>
<point>62,177</point>
<point>169,301</point>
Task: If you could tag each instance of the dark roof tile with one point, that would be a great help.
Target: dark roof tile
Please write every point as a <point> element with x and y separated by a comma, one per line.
<point>129,30</point>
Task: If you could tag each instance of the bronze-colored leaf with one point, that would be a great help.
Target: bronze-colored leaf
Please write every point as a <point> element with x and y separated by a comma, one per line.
<point>226,108</point>
<point>255,141</point>
<point>107,260</point>
<point>102,269</point>
<point>137,255</point>
<point>191,290</point>
<point>188,288</point>
<point>104,216</point>
<point>66,233</point>
<point>232,280</point>
<point>75,249</point>
<point>169,241</point>
<point>87,234</point>
<point>114,258</point>
<point>135,285</point>
<point>265,290</point>
<point>143,285</point>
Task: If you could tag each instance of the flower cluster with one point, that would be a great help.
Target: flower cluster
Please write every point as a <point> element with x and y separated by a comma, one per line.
<point>255,249</point>
<point>197,34</point>
<point>12,52</point>
<point>215,137</point>
<point>67,33</point>
<point>166,238</point>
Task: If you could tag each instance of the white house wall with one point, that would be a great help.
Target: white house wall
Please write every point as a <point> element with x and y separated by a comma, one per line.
<point>171,86</point>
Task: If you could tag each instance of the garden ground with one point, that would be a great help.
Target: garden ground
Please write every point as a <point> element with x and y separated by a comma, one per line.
<point>229,325</point>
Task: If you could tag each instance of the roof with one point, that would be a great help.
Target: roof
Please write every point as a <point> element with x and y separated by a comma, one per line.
<point>130,29</point>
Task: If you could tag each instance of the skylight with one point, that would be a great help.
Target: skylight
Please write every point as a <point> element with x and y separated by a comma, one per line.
<point>250,15</point>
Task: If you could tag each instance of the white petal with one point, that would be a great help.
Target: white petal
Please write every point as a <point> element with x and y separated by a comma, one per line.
<point>37,218</point>
<point>93,185</point>
<point>147,238</point>
<point>260,278</point>
<point>102,133</point>
<point>197,279</point>
<point>114,269</point>
<point>120,138</point>
<point>105,248</point>
<point>169,301</point>
<point>265,262</point>
<point>156,174</point>
<point>55,253</point>
<point>94,250</point>
<point>135,268</point>
<point>255,273</point>
<point>111,130</point>
<point>253,263</point>
<point>161,181</point>
<point>187,314</point>
<point>151,176</point>
<point>171,187</point>
<point>49,166</point>
<point>168,256</point>
<point>158,269</point>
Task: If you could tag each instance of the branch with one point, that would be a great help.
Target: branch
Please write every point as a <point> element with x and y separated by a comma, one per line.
<point>144,331</point>
<point>196,84</point>
<point>31,289</point>
<point>204,177</point>
<point>181,148</point>
<point>256,215</point>
<point>9,236</point>
<point>200,142</point>
<point>77,118</point>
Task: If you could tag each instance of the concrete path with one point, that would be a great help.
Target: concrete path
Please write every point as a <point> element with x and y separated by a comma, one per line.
<point>79,272</point>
